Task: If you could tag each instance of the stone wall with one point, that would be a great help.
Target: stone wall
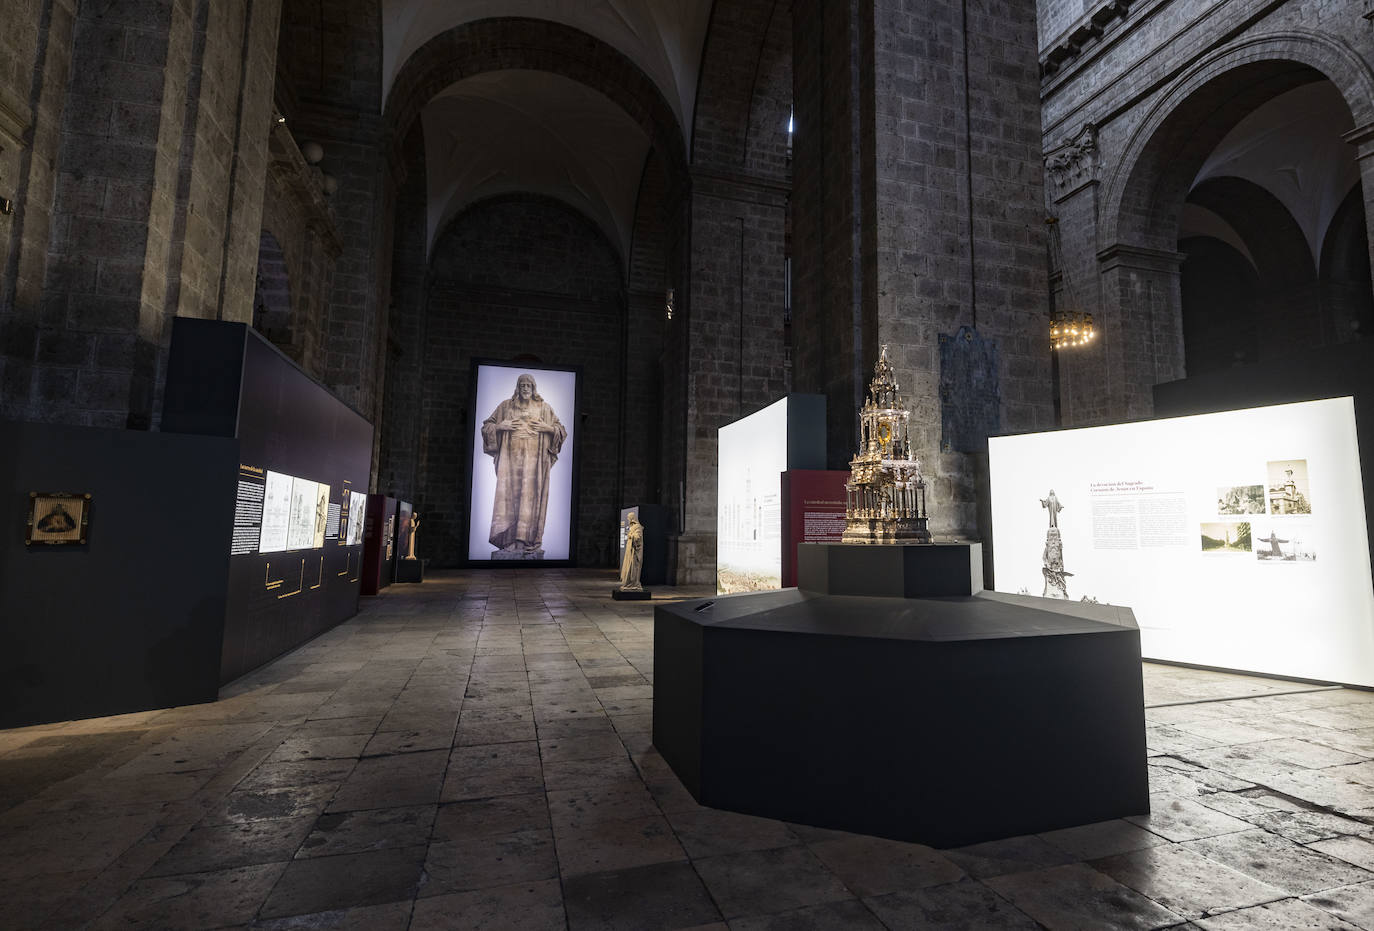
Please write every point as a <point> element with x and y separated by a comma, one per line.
<point>735,359</point>
<point>138,198</point>
<point>918,211</point>
<point>1132,106</point>
<point>335,76</point>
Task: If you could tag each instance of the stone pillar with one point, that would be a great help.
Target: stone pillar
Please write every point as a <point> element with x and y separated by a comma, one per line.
<point>1141,333</point>
<point>32,95</point>
<point>159,158</point>
<point>1362,138</point>
<point>1072,183</point>
<point>735,339</point>
<point>833,326</point>
<point>918,209</point>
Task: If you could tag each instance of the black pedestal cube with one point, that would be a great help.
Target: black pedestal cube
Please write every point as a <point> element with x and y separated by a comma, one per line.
<point>943,720</point>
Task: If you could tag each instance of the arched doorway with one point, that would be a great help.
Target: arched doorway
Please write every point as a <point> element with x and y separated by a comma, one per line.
<point>1255,226</point>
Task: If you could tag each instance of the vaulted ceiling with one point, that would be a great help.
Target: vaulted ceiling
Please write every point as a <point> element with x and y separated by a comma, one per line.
<point>523,130</point>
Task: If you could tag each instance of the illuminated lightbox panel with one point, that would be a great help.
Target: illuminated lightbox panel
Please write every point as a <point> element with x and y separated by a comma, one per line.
<point>523,488</point>
<point>1237,538</point>
<point>752,454</point>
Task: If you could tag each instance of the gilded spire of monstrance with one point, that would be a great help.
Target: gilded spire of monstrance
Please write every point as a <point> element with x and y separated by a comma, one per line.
<point>886,492</point>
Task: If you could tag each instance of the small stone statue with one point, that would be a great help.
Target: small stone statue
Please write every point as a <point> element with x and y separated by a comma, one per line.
<point>412,525</point>
<point>633,560</point>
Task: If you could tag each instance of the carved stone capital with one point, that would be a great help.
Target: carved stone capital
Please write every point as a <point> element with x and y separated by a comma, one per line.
<point>1073,163</point>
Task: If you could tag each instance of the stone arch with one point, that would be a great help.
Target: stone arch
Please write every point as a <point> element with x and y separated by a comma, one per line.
<point>596,237</point>
<point>538,45</point>
<point>745,91</point>
<point>1191,117</point>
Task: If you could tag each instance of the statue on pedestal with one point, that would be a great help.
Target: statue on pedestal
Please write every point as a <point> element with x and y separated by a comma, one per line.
<point>886,492</point>
<point>633,560</point>
<point>412,525</point>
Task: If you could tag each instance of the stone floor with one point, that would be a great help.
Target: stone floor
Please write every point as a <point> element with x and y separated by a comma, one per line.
<point>475,753</point>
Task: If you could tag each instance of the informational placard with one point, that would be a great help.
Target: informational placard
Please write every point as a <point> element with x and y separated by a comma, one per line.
<point>1237,538</point>
<point>813,512</point>
<point>523,464</point>
<point>752,458</point>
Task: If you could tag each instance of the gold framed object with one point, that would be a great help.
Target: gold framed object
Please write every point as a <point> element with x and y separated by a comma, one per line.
<point>884,432</point>
<point>57,517</point>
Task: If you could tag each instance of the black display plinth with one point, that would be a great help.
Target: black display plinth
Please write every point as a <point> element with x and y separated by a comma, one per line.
<point>619,595</point>
<point>944,721</point>
<point>913,570</point>
<point>410,570</point>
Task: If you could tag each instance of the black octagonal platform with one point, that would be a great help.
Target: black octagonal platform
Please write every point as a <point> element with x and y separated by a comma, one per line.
<point>945,720</point>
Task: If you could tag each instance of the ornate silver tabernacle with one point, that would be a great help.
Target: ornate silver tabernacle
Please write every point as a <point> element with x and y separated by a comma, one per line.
<point>886,493</point>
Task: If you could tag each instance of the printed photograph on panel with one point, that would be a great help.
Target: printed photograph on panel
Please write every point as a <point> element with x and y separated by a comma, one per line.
<point>1240,499</point>
<point>300,533</point>
<point>1226,537</point>
<point>321,513</point>
<point>276,513</point>
<point>521,508</point>
<point>357,509</point>
<point>1285,542</point>
<point>1288,492</point>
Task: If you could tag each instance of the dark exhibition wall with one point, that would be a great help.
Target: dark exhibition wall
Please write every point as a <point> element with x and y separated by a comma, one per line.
<point>133,618</point>
<point>295,551</point>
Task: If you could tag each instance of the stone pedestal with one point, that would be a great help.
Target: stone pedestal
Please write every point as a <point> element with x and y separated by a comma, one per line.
<point>622,595</point>
<point>410,570</point>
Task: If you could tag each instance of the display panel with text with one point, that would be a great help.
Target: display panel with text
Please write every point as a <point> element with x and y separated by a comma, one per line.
<point>1237,538</point>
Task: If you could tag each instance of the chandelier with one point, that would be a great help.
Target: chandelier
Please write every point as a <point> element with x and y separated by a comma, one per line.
<point>1068,328</point>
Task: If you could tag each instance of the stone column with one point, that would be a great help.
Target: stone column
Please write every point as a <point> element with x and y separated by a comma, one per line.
<point>735,339</point>
<point>919,209</point>
<point>160,164</point>
<point>1141,333</point>
<point>1362,138</point>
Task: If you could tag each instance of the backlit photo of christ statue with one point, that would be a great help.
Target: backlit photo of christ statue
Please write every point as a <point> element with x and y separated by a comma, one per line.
<point>523,436</point>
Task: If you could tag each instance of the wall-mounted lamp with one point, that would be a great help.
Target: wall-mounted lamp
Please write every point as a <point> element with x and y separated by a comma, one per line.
<point>6,206</point>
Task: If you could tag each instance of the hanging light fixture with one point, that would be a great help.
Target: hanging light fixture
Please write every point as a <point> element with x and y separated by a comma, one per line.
<point>1069,328</point>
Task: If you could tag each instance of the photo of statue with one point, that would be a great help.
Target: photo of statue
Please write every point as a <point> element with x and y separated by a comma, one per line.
<point>523,436</point>
<point>633,560</point>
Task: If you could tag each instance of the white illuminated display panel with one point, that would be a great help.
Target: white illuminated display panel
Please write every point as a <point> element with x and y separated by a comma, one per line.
<point>752,458</point>
<point>1237,538</point>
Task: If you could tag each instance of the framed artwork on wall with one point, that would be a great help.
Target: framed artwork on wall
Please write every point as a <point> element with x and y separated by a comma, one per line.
<point>522,464</point>
<point>57,517</point>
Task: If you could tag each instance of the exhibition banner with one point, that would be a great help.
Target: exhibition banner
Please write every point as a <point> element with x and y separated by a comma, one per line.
<point>1238,538</point>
